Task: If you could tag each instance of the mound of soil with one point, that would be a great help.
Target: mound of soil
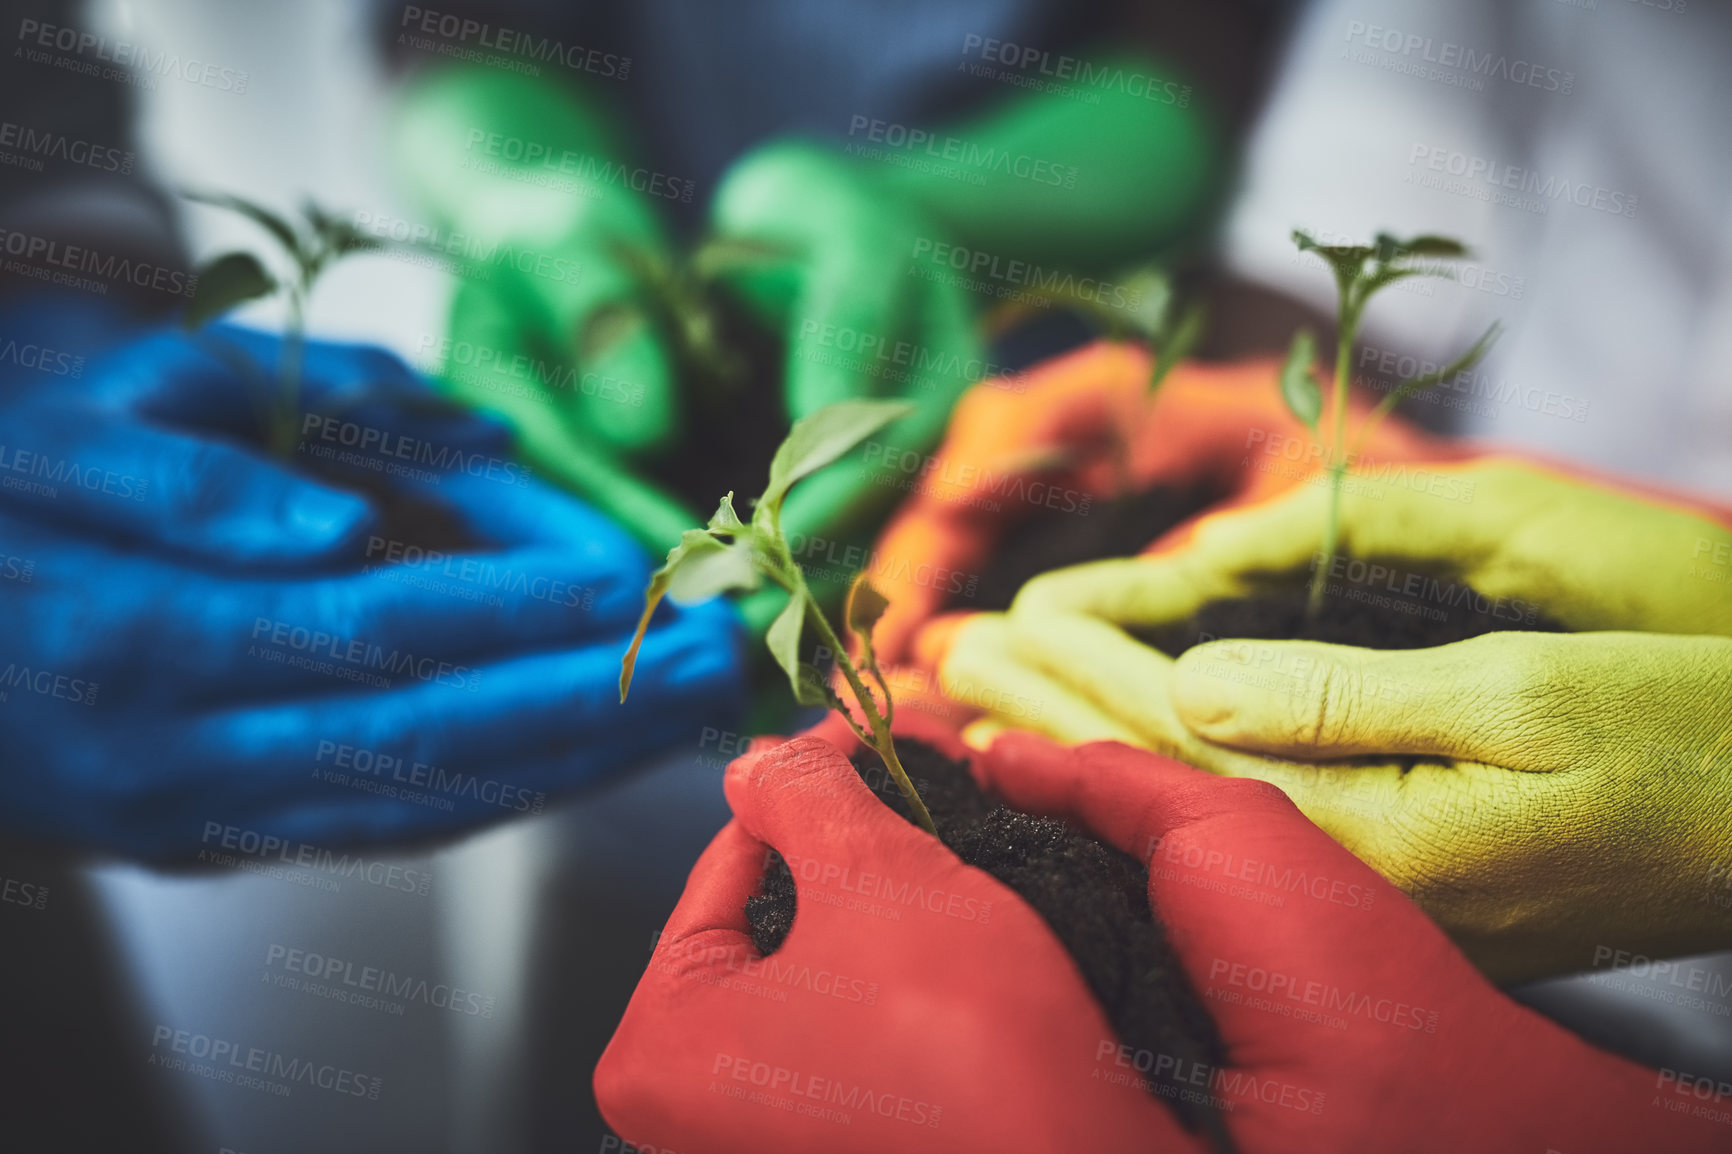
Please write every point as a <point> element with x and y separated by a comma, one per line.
<point>1423,610</point>
<point>1121,526</point>
<point>1094,898</point>
<point>732,423</point>
<point>403,517</point>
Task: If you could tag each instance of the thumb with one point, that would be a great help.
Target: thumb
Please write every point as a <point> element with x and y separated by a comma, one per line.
<point>183,494</point>
<point>804,799</point>
<point>1313,700</point>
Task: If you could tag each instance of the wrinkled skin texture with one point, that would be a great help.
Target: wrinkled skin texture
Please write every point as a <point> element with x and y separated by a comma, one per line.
<point>1484,773</point>
<point>963,1003</point>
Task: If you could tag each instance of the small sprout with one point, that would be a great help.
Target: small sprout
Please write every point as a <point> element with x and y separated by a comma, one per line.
<point>730,554</point>
<point>1360,272</point>
<point>310,245</point>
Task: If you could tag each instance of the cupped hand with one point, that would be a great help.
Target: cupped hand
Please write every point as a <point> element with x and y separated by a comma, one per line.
<point>555,324</point>
<point>837,282</point>
<point>1352,1023</point>
<point>196,634</point>
<point>917,1003</point>
<point>1473,774</point>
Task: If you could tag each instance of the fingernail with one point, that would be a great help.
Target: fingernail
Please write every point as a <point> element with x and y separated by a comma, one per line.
<point>322,513</point>
<point>1201,692</point>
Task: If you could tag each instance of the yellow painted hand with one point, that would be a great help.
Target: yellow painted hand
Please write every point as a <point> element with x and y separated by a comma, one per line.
<point>1539,794</point>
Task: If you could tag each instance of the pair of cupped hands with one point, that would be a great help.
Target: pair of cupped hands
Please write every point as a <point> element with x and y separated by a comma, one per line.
<point>1530,791</point>
<point>194,632</point>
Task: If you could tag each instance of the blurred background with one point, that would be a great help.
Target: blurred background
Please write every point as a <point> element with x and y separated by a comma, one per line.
<point>1580,148</point>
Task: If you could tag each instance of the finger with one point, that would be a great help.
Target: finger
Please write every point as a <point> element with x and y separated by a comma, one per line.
<point>1118,676</point>
<point>600,321</point>
<point>1155,590</point>
<point>844,332</point>
<point>341,806</point>
<point>1226,553</point>
<point>983,669</point>
<point>1389,815</point>
<point>711,913</point>
<point>948,358</point>
<point>558,710</point>
<point>1472,700</point>
<point>185,496</point>
<point>805,799</point>
<point>1129,797</point>
<point>625,395</point>
<point>489,334</point>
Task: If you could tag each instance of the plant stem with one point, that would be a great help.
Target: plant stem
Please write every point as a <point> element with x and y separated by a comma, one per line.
<point>881,739</point>
<point>283,432</point>
<point>1337,468</point>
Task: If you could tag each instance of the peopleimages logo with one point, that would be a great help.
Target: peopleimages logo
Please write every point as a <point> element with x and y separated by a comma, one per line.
<point>36,145</point>
<point>1039,64</point>
<point>1484,65</point>
<point>330,975</point>
<point>223,1060</point>
<point>285,638</point>
<point>126,58</point>
<point>1321,996</point>
<point>518,150</point>
<point>50,256</point>
<point>1526,188</point>
<point>795,1092</point>
<point>907,140</point>
<point>258,848</point>
<point>976,263</point>
<point>48,473</point>
<point>458,30</point>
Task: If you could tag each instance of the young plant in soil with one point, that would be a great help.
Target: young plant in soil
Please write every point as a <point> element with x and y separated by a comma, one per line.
<point>1445,611</point>
<point>729,554</point>
<point>1361,271</point>
<point>310,245</point>
<point>1093,897</point>
<point>1123,524</point>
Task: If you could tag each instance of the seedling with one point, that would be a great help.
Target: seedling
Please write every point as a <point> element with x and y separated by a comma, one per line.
<point>729,554</point>
<point>1360,271</point>
<point>680,298</point>
<point>311,244</point>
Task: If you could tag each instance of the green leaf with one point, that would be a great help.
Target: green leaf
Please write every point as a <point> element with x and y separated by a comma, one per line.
<point>606,328</point>
<point>225,282</point>
<point>1346,259</point>
<point>706,572</point>
<point>1298,387</point>
<point>1386,276</point>
<point>864,607</point>
<point>822,437</point>
<point>693,542</point>
<point>725,520</point>
<point>813,689</point>
<point>1154,294</point>
<point>1174,346</point>
<point>1425,381</point>
<point>722,255</point>
<point>281,229</point>
<point>783,639</point>
<point>1429,244</point>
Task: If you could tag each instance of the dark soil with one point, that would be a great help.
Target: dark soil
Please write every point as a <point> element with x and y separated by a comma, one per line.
<point>1429,610</point>
<point>403,516</point>
<point>733,423</point>
<point>1095,899</point>
<point>1054,538</point>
